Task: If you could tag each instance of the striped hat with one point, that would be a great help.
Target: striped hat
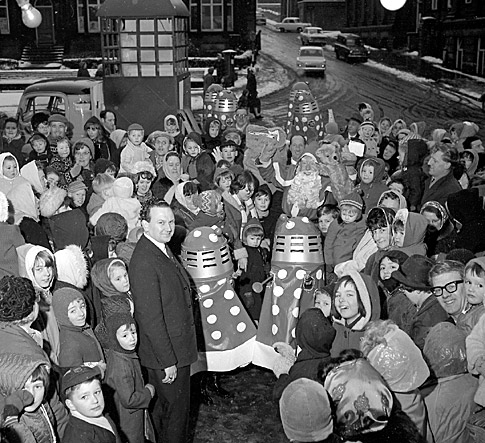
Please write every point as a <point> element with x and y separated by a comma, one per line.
<point>352,199</point>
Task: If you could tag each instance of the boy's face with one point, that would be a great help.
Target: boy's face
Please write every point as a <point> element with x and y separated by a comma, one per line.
<point>387,202</point>
<point>39,146</point>
<point>192,148</point>
<point>261,202</point>
<point>83,156</point>
<point>324,222</point>
<point>10,169</point>
<point>162,146</point>
<point>214,128</point>
<point>52,179</point>
<point>37,389</point>
<point>367,131</point>
<point>381,237</point>
<point>63,150</point>
<point>245,193</point>
<point>44,129</point>
<point>398,237</point>
<point>136,136</point>
<point>143,185</point>
<point>87,399</point>
<point>323,301</point>
<point>127,337</point>
<point>386,268</point>
<point>389,151</point>
<point>352,127</point>
<point>229,154</point>
<point>253,241</point>
<point>78,197</point>
<point>475,288</point>
<point>349,213</point>
<point>385,125</point>
<point>398,187</point>
<point>76,312</point>
<point>111,172</point>
<point>11,129</point>
<point>367,174</point>
<point>225,182</point>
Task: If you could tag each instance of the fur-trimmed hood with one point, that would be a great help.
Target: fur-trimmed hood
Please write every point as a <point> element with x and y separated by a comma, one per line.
<point>72,266</point>
<point>51,200</point>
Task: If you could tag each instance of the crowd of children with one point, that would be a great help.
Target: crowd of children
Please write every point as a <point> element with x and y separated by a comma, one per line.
<point>393,349</point>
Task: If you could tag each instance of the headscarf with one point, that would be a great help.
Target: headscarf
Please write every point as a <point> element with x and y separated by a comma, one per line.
<point>402,200</point>
<point>314,334</point>
<point>379,168</point>
<point>473,167</point>
<point>440,208</point>
<point>182,199</point>
<point>415,226</point>
<point>100,276</point>
<point>116,136</point>
<point>31,173</point>
<point>30,260</point>
<point>72,266</point>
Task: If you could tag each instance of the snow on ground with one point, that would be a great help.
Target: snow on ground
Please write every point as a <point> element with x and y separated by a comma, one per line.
<point>434,60</point>
<point>399,74</point>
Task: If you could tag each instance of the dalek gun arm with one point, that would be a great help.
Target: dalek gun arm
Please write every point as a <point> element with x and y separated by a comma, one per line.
<point>258,287</point>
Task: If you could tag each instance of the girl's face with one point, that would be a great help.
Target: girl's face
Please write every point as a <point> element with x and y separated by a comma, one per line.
<point>245,193</point>
<point>173,165</point>
<point>127,337</point>
<point>349,213</point>
<point>433,219</point>
<point>143,186</point>
<point>52,179</point>
<point>367,174</point>
<point>367,131</point>
<point>192,148</point>
<point>468,161</point>
<point>346,301</point>
<point>10,169</point>
<point>93,132</point>
<point>381,237</point>
<point>398,237</point>
<point>78,197</point>
<point>37,389</point>
<point>323,301</point>
<point>162,146</point>
<point>389,152</point>
<point>384,126</point>
<point>83,156</point>
<point>43,274</point>
<point>225,182</point>
<point>76,312</point>
<point>39,146</point>
<point>324,222</point>
<point>11,129</point>
<point>262,202</point>
<point>214,128</point>
<point>119,279</point>
<point>63,149</point>
<point>387,267</point>
<point>475,288</point>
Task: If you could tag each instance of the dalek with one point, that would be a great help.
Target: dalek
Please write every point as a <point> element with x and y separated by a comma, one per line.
<point>304,116</point>
<point>225,106</point>
<point>209,99</point>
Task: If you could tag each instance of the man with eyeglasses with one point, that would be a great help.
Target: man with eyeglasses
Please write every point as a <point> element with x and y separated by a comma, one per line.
<point>447,280</point>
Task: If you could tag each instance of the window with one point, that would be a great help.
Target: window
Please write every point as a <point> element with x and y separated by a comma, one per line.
<point>212,18</point>
<point>86,10</point>
<point>229,16</point>
<point>434,5</point>
<point>4,22</point>
<point>194,15</point>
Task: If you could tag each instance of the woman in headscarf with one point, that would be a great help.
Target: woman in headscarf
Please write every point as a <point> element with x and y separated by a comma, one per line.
<point>183,205</point>
<point>165,186</point>
<point>441,234</point>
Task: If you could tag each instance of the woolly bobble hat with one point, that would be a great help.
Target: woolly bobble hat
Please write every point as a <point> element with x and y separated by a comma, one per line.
<point>135,127</point>
<point>76,186</point>
<point>123,187</point>
<point>51,200</point>
<point>61,301</point>
<point>86,142</point>
<point>113,225</point>
<point>15,370</point>
<point>352,199</point>
<point>208,201</point>
<point>144,166</point>
<point>17,298</point>
<point>219,171</point>
<point>305,411</point>
<point>367,124</point>
<point>3,208</point>
<point>252,223</point>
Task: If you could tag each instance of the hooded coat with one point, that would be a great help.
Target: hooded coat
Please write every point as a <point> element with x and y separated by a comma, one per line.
<point>314,335</point>
<point>415,226</point>
<point>372,191</point>
<point>104,147</point>
<point>349,336</point>
<point>211,142</point>
<point>413,175</point>
<point>466,207</point>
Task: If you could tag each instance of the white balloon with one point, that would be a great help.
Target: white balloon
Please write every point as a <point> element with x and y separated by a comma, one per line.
<point>393,5</point>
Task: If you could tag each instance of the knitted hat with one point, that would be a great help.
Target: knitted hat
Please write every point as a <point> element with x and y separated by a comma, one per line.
<point>352,199</point>
<point>75,186</point>
<point>85,141</point>
<point>112,224</point>
<point>58,118</point>
<point>135,127</point>
<point>253,223</point>
<point>78,375</point>
<point>17,298</point>
<point>208,201</point>
<point>51,200</point>
<point>414,273</point>
<point>367,124</point>
<point>3,208</point>
<point>60,303</point>
<point>144,166</point>
<point>305,411</point>
<point>219,171</point>
<point>15,370</point>
<point>331,128</point>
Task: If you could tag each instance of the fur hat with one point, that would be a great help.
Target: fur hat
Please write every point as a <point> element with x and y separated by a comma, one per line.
<point>78,375</point>
<point>60,303</point>
<point>208,202</point>
<point>144,166</point>
<point>17,298</point>
<point>86,142</point>
<point>414,272</point>
<point>51,200</point>
<point>305,411</point>
<point>3,208</point>
<point>75,186</point>
<point>352,199</point>
<point>135,127</point>
<point>72,266</point>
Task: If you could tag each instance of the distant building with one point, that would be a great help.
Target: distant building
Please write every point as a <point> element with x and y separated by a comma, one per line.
<point>328,14</point>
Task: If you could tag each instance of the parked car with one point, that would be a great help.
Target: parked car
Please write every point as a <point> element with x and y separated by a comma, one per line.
<point>311,59</point>
<point>313,35</point>
<point>260,18</point>
<point>350,47</point>
<point>291,24</point>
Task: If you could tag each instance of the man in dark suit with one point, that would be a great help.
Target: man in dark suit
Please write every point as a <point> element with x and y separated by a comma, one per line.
<point>163,310</point>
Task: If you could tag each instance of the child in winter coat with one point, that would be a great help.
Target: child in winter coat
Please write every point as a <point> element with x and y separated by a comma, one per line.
<point>212,134</point>
<point>135,150</point>
<point>62,162</point>
<point>413,175</point>
<point>191,148</point>
<point>356,303</point>
<point>102,190</point>
<point>409,230</point>
<point>110,277</point>
<point>371,173</point>
<point>122,203</point>
<point>10,179</point>
<point>123,375</point>
<point>345,232</point>
<point>78,344</point>
<point>13,140</point>
<point>40,149</point>
<point>475,291</point>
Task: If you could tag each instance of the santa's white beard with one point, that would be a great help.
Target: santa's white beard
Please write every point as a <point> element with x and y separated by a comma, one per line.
<point>305,190</point>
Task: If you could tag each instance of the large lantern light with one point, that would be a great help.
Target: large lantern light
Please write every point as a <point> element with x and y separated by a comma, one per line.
<point>393,5</point>
<point>30,15</point>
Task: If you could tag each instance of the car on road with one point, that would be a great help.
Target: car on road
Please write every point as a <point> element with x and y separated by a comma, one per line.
<point>311,59</point>
<point>349,47</point>
<point>291,24</point>
<point>313,35</point>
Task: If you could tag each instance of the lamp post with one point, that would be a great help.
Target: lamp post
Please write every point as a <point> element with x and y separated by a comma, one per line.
<point>393,5</point>
<point>30,15</point>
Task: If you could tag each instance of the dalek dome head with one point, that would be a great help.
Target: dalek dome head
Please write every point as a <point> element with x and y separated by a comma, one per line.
<point>210,96</point>
<point>297,240</point>
<point>297,87</point>
<point>206,255</point>
<point>225,105</point>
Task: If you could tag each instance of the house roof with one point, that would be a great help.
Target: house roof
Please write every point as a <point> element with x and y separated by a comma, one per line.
<point>143,8</point>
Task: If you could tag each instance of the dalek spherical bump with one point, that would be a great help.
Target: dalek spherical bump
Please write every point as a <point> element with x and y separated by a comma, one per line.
<point>210,97</point>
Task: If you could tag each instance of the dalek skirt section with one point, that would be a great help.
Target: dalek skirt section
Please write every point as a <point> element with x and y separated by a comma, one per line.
<point>297,267</point>
<point>225,331</point>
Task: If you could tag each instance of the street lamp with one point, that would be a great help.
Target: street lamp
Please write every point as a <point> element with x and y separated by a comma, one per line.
<point>393,5</point>
<point>30,16</point>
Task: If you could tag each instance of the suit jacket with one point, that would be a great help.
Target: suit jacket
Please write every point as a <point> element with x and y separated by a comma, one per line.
<point>163,308</point>
<point>440,190</point>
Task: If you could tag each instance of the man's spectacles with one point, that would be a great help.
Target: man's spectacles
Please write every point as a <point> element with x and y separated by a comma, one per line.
<point>450,287</point>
